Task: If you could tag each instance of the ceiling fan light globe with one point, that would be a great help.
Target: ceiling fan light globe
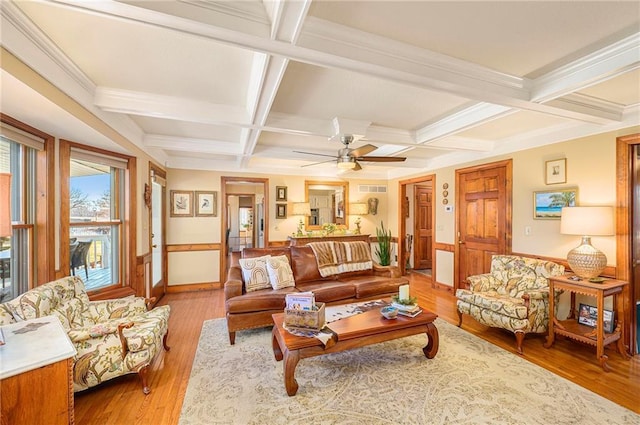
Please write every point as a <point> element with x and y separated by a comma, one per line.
<point>346,165</point>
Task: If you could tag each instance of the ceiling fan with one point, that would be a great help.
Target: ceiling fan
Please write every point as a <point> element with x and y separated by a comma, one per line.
<point>348,158</point>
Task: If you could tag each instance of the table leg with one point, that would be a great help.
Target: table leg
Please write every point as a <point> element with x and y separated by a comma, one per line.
<point>431,349</point>
<point>291,359</point>
<point>277,351</point>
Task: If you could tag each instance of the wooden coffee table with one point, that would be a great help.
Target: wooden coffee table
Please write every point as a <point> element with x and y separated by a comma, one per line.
<point>352,332</point>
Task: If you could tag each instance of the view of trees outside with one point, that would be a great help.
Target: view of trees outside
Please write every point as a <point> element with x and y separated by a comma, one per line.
<point>90,197</point>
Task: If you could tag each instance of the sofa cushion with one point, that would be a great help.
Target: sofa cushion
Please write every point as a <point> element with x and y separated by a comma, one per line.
<point>304,265</point>
<point>495,302</point>
<point>264,300</point>
<point>328,291</point>
<point>254,273</point>
<point>261,252</point>
<point>280,274</point>
<point>370,286</point>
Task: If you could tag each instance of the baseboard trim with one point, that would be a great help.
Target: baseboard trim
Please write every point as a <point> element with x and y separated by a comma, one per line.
<point>193,287</point>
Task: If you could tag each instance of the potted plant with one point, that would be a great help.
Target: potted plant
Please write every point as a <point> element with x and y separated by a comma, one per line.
<point>383,250</point>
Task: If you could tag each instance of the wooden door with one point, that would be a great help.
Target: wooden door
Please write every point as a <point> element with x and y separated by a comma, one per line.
<point>423,228</point>
<point>484,217</point>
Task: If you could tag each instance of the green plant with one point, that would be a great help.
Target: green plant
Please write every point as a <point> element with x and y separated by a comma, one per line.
<point>383,250</point>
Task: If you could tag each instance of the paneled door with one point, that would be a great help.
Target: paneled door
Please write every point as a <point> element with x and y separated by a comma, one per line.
<point>484,217</point>
<point>423,231</point>
<point>157,216</point>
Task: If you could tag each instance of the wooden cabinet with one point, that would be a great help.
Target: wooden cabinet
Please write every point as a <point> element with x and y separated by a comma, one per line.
<point>303,240</point>
<point>36,366</point>
<point>582,333</point>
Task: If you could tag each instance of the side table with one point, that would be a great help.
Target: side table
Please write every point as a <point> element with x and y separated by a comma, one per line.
<point>36,366</point>
<point>582,333</point>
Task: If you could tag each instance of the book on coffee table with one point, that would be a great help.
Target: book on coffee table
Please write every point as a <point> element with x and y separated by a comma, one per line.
<point>406,308</point>
<point>413,313</point>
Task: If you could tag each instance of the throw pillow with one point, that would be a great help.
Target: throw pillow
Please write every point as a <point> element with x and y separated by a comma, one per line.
<point>280,273</point>
<point>254,272</point>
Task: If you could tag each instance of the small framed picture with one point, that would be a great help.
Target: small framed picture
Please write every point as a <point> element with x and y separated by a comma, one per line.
<point>206,204</point>
<point>588,316</point>
<point>181,203</point>
<point>547,204</point>
<point>281,210</point>
<point>555,171</point>
<point>281,193</point>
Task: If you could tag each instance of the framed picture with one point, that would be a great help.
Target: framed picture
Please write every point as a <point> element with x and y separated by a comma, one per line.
<point>555,171</point>
<point>281,193</point>
<point>588,316</point>
<point>281,210</point>
<point>547,204</point>
<point>181,203</point>
<point>206,204</point>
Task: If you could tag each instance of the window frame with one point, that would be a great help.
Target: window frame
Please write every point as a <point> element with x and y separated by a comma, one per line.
<point>41,231</point>
<point>126,284</point>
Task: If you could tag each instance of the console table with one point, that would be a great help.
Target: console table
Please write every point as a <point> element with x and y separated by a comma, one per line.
<point>36,365</point>
<point>572,329</point>
<point>303,240</point>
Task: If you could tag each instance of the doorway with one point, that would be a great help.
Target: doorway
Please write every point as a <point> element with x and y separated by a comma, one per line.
<point>628,235</point>
<point>245,216</point>
<point>483,217</point>
<point>416,247</point>
<point>156,201</point>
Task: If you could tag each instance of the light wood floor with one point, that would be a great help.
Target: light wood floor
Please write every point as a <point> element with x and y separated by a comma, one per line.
<point>121,400</point>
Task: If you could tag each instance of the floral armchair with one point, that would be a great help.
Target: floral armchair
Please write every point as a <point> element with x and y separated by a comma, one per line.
<point>112,337</point>
<point>513,296</point>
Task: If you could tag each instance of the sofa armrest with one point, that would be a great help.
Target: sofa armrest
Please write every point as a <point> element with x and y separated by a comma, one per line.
<point>233,285</point>
<point>386,271</point>
<point>483,283</point>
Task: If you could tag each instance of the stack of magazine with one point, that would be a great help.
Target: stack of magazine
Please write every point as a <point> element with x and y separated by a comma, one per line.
<point>410,310</point>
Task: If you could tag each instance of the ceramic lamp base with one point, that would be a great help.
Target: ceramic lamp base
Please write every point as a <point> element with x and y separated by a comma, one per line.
<point>585,260</point>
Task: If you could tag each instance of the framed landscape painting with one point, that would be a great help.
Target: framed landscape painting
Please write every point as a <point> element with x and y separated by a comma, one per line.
<point>547,204</point>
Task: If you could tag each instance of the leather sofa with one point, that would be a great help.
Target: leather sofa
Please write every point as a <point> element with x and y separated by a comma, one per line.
<point>112,337</point>
<point>247,310</point>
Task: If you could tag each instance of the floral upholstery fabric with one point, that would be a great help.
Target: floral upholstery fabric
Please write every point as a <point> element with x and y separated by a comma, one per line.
<point>92,326</point>
<point>496,299</point>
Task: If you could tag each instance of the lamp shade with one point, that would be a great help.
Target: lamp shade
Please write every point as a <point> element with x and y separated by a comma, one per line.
<point>591,221</point>
<point>301,208</point>
<point>5,204</point>
<point>358,209</point>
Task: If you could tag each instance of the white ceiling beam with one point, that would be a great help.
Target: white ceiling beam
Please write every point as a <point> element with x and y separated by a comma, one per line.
<point>419,69</point>
<point>287,23</point>
<point>609,62</point>
<point>169,107</point>
<point>462,120</point>
<point>221,147</point>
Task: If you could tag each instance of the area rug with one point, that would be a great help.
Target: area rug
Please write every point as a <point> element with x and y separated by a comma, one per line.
<point>470,381</point>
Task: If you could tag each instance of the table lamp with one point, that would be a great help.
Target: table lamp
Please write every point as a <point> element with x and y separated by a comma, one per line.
<point>358,209</point>
<point>585,260</point>
<point>302,209</point>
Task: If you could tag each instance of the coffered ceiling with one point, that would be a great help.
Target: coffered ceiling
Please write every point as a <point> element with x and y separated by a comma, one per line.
<point>247,85</point>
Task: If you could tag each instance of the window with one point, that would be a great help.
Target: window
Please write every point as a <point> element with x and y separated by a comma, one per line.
<point>18,163</point>
<point>97,199</point>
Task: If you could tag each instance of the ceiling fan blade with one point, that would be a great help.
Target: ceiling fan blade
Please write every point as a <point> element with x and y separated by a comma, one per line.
<point>313,153</point>
<point>316,163</point>
<point>381,158</point>
<point>357,167</point>
<point>363,150</point>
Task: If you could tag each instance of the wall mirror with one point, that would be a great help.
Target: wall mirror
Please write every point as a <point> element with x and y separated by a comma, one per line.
<point>328,201</point>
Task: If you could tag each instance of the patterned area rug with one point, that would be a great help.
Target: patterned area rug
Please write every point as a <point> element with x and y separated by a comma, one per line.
<point>470,381</point>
